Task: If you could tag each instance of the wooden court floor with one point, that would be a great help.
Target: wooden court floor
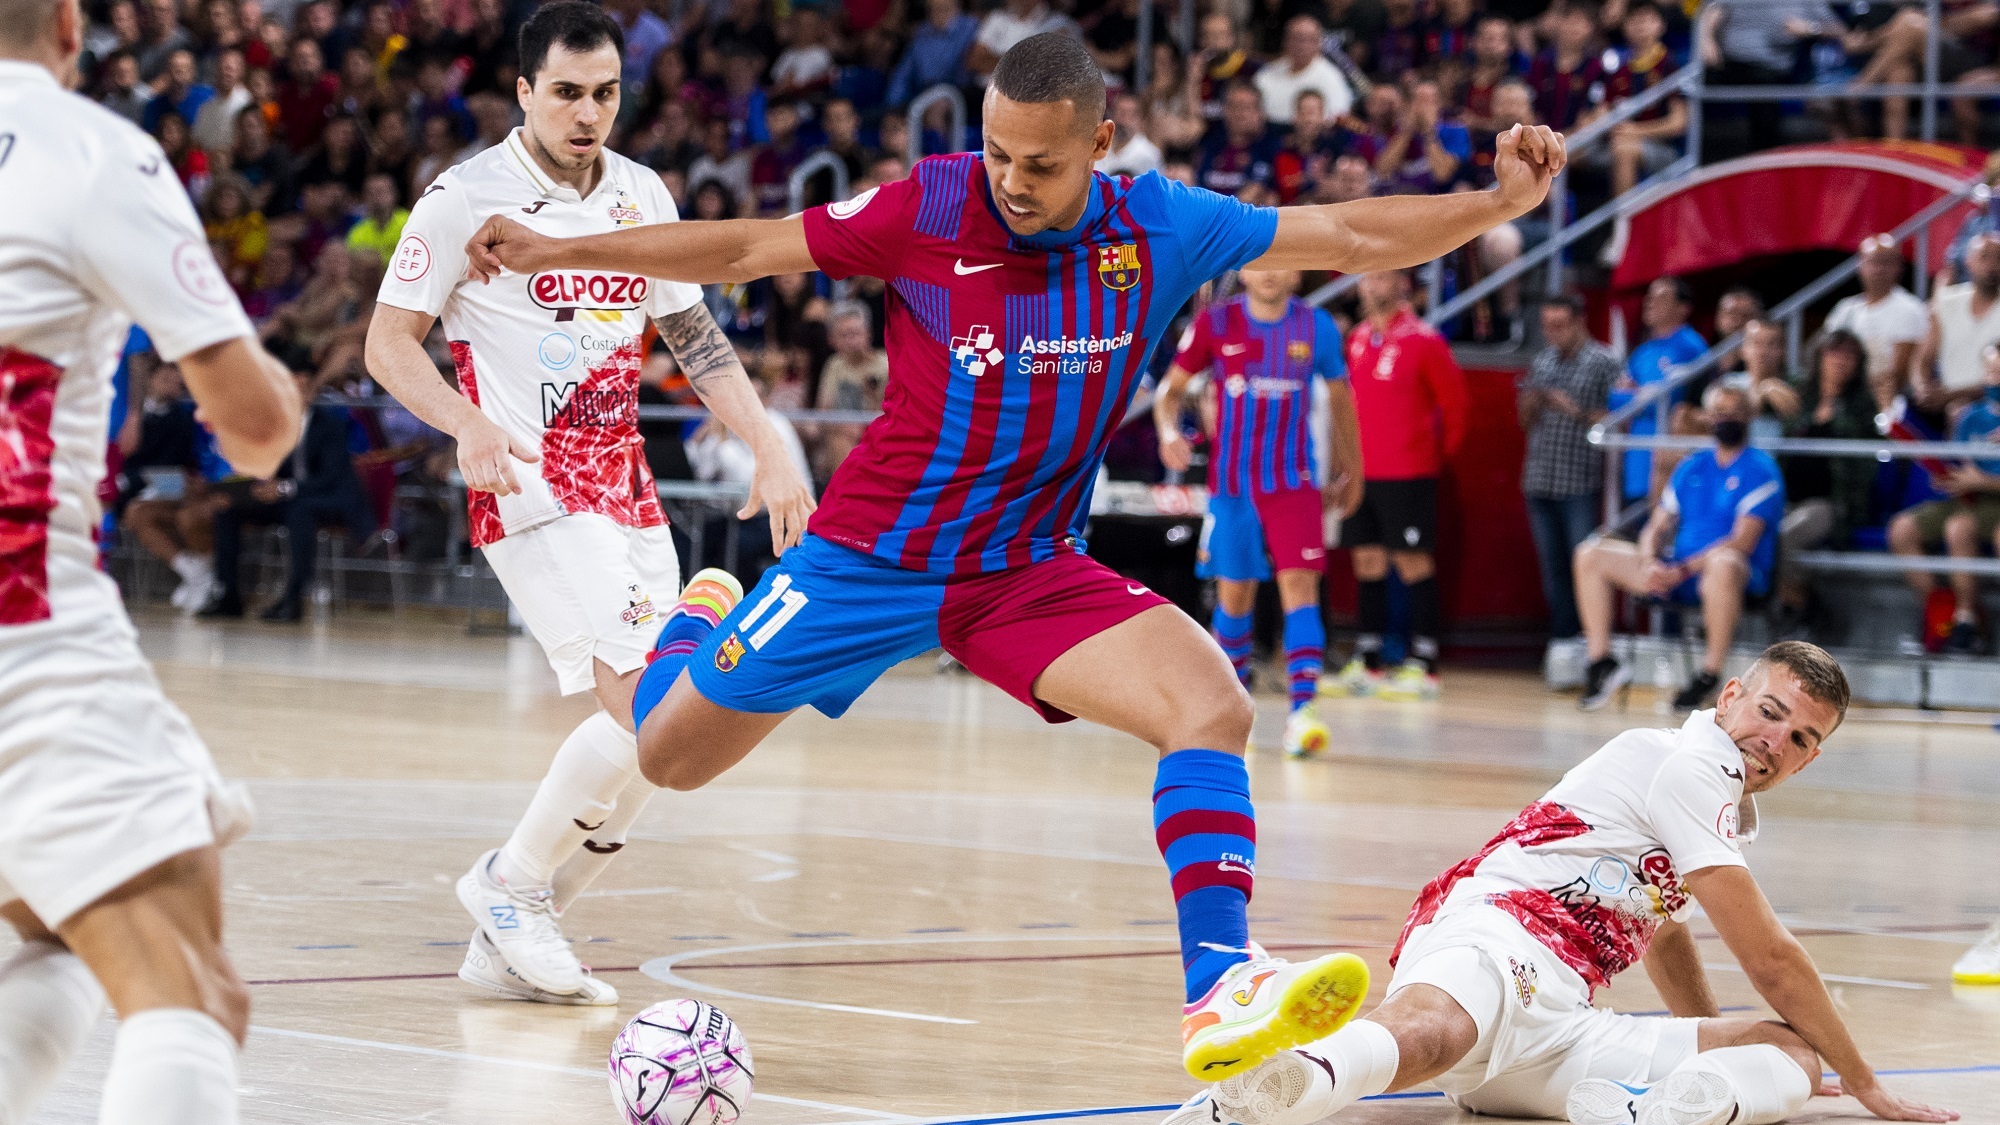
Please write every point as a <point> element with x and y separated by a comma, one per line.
<point>938,907</point>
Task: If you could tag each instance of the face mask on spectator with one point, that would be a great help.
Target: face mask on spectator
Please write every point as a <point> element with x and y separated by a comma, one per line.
<point>1730,433</point>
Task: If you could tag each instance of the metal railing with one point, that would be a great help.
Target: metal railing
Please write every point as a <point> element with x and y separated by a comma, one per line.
<point>824,160</point>
<point>921,105</point>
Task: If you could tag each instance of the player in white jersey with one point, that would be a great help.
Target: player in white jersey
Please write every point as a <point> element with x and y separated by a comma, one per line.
<point>111,813</point>
<point>1491,997</point>
<point>561,500</point>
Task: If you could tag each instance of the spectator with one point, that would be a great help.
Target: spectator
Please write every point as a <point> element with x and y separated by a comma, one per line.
<point>719,164</point>
<point>1773,398</point>
<point>1299,69</point>
<point>315,485</point>
<point>493,118</point>
<point>1712,539</point>
<point>1131,153</point>
<point>1008,24</point>
<point>341,157</point>
<point>391,151</point>
<point>381,225</point>
<point>1565,76</point>
<point>1397,49</point>
<point>1984,221</point>
<point>719,456</point>
<point>646,36</point>
<point>165,502</point>
<point>490,52</point>
<point>1410,400</point>
<point>1889,320</point>
<point>235,227</point>
<point>1306,158</point>
<point>1649,142</point>
<point>1512,103</point>
<point>215,123</point>
<point>669,143</point>
<point>1564,394</point>
<point>163,35</point>
<point>1829,496</point>
<point>190,163</point>
<point>1425,153</point>
<point>1964,45</point>
<point>435,98</point>
<point>124,94</point>
<point>805,69</point>
<point>1755,45</point>
<point>1448,36</point>
<point>745,30</point>
<point>362,88</point>
<point>1171,110</point>
<point>1733,312</point>
<point>1493,62</point>
<point>1965,524</point>
<point>179,91</point>
<point>441,145</point>
<point>1237,159</point>
<point>1670,342</point>
<point>274,283</point>
<point>1351,179</point>
<point>937,52</point>
<point>1383,115</point>
<point>852,379</point>
<point>1965,319</point>
<point>1221,61</point>
<point>306,97</point>
<point>772,163</point>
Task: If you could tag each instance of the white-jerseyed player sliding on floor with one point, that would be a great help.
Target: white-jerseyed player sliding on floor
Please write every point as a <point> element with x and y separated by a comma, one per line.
<point>1497,963</point>
<point>111,813</point>
<point>548,372</point>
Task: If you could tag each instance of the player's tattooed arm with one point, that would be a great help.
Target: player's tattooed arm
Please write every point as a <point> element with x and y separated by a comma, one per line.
<point>703,352</point>
<point>712,369</point>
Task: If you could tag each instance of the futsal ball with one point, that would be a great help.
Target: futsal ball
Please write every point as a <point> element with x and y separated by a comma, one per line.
<point>681,1062</point>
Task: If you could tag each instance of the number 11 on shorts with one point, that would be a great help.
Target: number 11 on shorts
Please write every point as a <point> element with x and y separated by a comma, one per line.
<point>781,591</point>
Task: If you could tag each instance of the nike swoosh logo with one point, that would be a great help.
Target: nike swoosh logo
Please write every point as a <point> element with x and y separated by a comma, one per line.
<point>1235,349</point>
<point>1225,865</point>
<point>961,269</point>
<point>1135,591</point>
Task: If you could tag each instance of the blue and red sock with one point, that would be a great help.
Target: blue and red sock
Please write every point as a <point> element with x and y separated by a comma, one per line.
<point>1305,649</point>
<point>688,624</point>
<point>1207,832</point>
<point>1233,634</point>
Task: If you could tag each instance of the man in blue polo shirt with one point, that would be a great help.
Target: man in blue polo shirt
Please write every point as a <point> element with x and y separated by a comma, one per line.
<point>1718,520</point>
<point>1670,342</point>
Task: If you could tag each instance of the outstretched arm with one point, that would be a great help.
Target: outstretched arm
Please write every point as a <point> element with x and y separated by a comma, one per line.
<point>1784,975</point>
<point>1399,231</point>
<point>703,253</point>
<point>712,369</point>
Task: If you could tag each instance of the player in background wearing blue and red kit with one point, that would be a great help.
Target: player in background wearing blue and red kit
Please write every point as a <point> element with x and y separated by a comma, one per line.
<point>1261,351</point>
<point>1411,400</point>
<point>1026,294</point>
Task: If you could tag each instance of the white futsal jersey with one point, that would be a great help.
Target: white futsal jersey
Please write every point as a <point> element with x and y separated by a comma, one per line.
<point>553,357</point>
<point>96,232</point>
<point>1594,867</point>
<point>100,777</point>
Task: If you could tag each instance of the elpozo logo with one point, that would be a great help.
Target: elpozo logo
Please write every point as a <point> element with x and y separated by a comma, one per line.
<point>607,296</point>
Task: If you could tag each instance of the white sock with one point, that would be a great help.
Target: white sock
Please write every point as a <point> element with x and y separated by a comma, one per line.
<point>1769,1085</point>
<point>579,871</point>
<point>575,799</point>
<point>171,1066</point>
<point>48,1003</point>
<point>1360,1061</point>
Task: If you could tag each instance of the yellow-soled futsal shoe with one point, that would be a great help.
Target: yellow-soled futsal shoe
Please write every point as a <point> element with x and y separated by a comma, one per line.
<point>1266,1005</point>
<point>1981,963</point>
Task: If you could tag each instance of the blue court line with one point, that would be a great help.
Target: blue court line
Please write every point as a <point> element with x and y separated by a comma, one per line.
<point>1116,1111</point>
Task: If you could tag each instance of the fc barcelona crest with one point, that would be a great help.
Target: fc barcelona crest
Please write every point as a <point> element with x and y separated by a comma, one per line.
<point>1118,266</point>
<point>728,653</point>
<point>1299,351</point>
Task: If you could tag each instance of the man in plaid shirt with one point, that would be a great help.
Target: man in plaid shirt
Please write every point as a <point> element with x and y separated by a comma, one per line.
<point>1563,395</point>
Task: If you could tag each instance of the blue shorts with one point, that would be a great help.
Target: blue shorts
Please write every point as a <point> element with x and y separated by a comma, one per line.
<point>1245,536</point>
<point>828,620</point>
<point>1689,591</point>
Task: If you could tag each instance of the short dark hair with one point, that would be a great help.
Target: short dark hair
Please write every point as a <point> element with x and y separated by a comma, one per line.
<point>1571,301</point>
<point>1817,672</point>
<point>1645,6</point>
<point>1756,298</point>
<point>574,24</point>
<point>1053,67</point>
<point>1683,292</point>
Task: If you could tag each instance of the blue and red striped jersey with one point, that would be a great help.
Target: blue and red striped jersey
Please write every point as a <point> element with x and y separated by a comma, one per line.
<point>1262,374</point>
<point>1011,359</point>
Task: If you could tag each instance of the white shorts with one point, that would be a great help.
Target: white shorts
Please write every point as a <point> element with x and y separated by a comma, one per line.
<point>1538,1034</point>
<point>590,589</point>
<point>100,777</point>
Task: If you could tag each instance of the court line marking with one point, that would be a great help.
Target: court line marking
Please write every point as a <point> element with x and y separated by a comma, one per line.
<point>551,1068</point>
<point>1408,1095</point>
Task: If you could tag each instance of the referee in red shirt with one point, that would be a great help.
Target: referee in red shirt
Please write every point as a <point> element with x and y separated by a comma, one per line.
<point>1409,396</point>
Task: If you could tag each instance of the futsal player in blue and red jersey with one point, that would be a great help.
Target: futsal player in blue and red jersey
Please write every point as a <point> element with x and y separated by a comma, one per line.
<point>1263,352</point>
<point>1026,293</point>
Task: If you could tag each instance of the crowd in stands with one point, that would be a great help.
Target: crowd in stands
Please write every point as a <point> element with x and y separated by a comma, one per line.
<point>1723,526</point>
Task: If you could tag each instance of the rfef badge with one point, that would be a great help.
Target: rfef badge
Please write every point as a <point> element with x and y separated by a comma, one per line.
<point>1118,266</point>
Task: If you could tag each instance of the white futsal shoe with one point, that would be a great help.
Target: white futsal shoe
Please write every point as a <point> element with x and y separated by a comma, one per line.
<point>1600,1101</point>
<point>1981,963</point>
<point>522,924</point>
<point>486,968</point>
<point>1268,1095</point>
<point>1265,1005</point>
<point>1685,1097</point>
<point>1199,1110</point>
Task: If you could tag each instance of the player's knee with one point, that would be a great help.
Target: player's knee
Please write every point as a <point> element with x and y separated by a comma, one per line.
<point>1781,1036</point>
<point>1216,716</point>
